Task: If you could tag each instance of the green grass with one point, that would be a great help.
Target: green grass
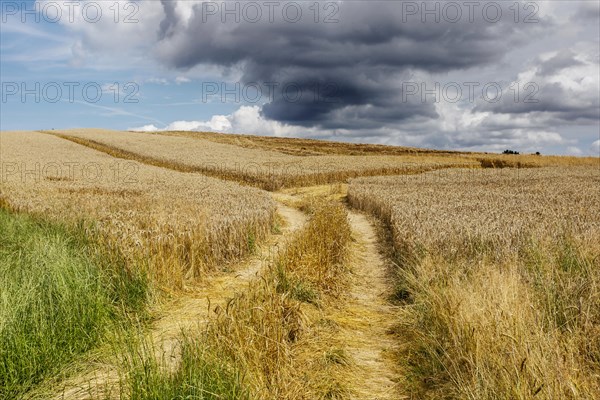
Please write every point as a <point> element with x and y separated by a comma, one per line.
<point>295,287</point>
<point>201,374</point>
<point>59,296</point>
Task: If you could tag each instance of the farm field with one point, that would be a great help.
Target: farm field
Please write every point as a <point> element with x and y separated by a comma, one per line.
<point>498,273</point>
<point>160,216</point>
<point>267,167</point>
<point>205,266</point>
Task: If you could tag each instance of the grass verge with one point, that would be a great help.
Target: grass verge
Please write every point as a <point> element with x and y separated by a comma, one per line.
<point>201,374</point>
<point>59,296</point>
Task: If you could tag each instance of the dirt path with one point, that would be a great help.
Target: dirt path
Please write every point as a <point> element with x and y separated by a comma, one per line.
<point>368,317</point>
<point>190,311</point>
<point>186,311</point>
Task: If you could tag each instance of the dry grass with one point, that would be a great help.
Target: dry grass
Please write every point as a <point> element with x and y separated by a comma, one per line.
<point>315,263</point>
<point>264,332</point>
<point>174,225</point>
<point>500,276</point>
<point>267,169</point>
<point>268,330</point>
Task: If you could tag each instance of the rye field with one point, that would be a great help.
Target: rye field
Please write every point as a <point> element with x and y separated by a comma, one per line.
<point>197,265</point>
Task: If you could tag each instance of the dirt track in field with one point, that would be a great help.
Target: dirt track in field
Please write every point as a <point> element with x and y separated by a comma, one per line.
<point>366,316</point>
<point>369,317</point>
<point>100,379</point>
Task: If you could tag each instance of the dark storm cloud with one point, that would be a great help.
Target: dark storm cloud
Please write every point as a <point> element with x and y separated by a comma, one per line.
<point>360,62</point>
<point>341,99</point>
<point>169,23</point>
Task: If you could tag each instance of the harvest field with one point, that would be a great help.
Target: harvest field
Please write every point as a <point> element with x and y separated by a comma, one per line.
<point>499,274</point>
<point>192,265</point>
<point>265,168</point>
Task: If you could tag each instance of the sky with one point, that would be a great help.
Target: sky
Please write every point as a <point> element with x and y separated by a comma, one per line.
<point>460,75</point>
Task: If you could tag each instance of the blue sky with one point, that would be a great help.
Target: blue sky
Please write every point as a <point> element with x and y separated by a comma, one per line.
<point>164,65</point>
<point>41,53</point>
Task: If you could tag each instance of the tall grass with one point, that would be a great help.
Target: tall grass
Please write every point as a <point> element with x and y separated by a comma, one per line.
<point>519,328</point>
<point>58,298</point>
<point>315,263</point>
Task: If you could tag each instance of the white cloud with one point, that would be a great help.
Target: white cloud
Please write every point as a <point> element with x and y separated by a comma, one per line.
<point>465,128</point>
<point>246,119</point>
<point>574,151</point>
<point>158,81</point>
<point>106,31</point>
<point>218,123</point>
<point>596,148</point>
<point>182,79</point>
<point>145,128</point>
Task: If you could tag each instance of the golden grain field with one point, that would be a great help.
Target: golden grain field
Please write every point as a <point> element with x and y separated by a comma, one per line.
<point>177,225</point>
<point>294,269</point>
<point>305,147</point>
<point>499,274</point>
<point>266,168</point>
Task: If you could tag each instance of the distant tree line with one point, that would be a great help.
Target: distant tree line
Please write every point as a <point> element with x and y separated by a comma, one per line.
<point>507,151</point>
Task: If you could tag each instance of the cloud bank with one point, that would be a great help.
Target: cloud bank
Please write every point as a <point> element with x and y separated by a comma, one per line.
<point>367,71</point>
